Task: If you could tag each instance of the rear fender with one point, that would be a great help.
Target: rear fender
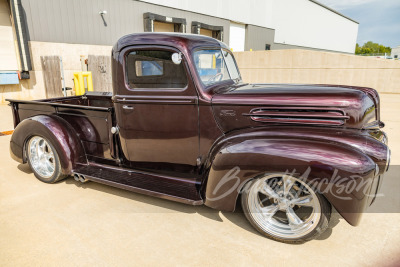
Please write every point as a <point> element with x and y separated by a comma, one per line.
<point>58,132</point>
<point>331,168</point>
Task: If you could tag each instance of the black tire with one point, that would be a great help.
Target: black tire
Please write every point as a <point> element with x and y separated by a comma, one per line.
<point>57,175</point>
<point>322,224</point>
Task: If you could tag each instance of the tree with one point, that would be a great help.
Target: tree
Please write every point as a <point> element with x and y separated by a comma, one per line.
<point>372,48</point>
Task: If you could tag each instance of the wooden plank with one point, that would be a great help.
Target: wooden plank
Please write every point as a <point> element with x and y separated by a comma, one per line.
<point>51,76</point>
<point>100,66</point>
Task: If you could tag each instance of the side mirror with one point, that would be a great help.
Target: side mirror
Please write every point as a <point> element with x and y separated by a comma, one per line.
<point>177,58</point>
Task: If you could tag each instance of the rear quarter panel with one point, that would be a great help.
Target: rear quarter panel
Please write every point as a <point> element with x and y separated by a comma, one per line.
<point>57,132</point>
<point>91,126</point>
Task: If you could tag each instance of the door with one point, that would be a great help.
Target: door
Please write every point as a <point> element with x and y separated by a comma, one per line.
<point>206,32</point>
<point>158,113</point>
<point>237,36</point>
<point>163,27</point>
<point>8,53</point>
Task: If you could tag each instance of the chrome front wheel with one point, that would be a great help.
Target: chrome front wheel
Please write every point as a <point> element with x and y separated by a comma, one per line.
<point>285,208</point>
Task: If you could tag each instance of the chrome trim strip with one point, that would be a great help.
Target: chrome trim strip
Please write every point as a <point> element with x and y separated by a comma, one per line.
<point>388,155</point>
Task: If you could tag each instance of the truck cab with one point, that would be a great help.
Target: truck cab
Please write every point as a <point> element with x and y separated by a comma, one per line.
<point>167,102</point>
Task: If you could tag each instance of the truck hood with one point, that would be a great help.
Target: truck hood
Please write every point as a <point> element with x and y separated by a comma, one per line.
<point>251,105</point>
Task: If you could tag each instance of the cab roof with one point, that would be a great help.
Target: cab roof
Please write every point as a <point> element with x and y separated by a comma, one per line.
<point>180,41</point>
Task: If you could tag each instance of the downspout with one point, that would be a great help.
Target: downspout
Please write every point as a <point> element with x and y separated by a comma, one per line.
<point>21,30</point>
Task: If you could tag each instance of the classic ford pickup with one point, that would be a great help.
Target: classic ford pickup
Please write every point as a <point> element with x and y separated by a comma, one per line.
<point>181,125</point>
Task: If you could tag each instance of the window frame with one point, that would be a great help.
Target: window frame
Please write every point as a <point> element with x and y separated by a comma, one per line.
<point>217,31</point>
<point>149,19</point>
<point>153,48</point>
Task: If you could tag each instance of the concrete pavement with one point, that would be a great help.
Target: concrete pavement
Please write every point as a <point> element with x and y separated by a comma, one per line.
<point>69,224</point>
<point>6,119</point>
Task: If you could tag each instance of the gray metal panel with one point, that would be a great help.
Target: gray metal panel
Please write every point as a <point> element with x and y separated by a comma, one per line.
<point>79,21</point>
<point>278,46</point>
<point>257,37</point>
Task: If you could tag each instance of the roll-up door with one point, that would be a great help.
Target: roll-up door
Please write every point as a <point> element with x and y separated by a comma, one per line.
<point>237,36</point>
<point>163,27</point>
<point>8,54</point>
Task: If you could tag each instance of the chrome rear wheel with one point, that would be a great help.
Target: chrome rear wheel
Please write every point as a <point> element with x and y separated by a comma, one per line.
<point>285,208</point>
<point>43,159</point>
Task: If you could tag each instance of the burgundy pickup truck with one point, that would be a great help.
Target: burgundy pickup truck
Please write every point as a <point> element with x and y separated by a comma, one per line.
<point>181,125</point>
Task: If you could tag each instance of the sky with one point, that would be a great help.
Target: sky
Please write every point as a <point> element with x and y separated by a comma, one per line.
<point>379,19</point>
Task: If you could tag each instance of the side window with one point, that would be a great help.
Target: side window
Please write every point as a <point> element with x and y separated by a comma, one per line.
<point>154,69</point>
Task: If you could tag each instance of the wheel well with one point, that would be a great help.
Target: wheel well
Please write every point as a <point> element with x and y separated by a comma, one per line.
<point>57,132</point>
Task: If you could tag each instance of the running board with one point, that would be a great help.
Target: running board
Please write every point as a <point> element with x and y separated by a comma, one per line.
<point>177,189</point>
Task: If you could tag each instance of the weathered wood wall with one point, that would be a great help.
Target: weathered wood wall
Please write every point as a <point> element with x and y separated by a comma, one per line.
<point>51,76</point>
<point>100,66</point>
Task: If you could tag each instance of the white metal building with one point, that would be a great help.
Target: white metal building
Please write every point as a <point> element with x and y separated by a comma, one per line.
<point>34,28</point>
<point>297,23</point>
<point>396,52</point>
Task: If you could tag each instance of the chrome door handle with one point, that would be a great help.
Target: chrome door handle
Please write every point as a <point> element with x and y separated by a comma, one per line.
<point>127,107</point>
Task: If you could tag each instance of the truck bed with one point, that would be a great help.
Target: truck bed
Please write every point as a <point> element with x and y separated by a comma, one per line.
<point>90,99</point>
<point>90,115</point>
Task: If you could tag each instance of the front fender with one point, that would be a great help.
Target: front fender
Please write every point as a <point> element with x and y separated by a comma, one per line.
<point>58,132</point>
<point>331,167</point>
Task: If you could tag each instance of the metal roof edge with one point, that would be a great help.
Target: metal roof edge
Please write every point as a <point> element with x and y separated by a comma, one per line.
<point>334,11</point>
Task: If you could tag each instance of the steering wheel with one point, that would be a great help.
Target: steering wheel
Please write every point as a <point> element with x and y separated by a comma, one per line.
<point>215,77</point>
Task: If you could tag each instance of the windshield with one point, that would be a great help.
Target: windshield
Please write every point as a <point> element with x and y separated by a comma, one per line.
<point>216,65</point>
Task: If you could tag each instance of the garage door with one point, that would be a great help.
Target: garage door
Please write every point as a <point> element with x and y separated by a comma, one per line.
<point>237,36</point>
<point>8,56</point>
<point>206,32</point>
<point>163,27</point>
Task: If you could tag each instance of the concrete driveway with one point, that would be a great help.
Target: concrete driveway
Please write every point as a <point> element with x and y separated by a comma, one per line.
<point>70,224</point>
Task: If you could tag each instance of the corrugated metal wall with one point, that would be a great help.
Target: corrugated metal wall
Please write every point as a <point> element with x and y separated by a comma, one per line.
<point>78,21</point>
